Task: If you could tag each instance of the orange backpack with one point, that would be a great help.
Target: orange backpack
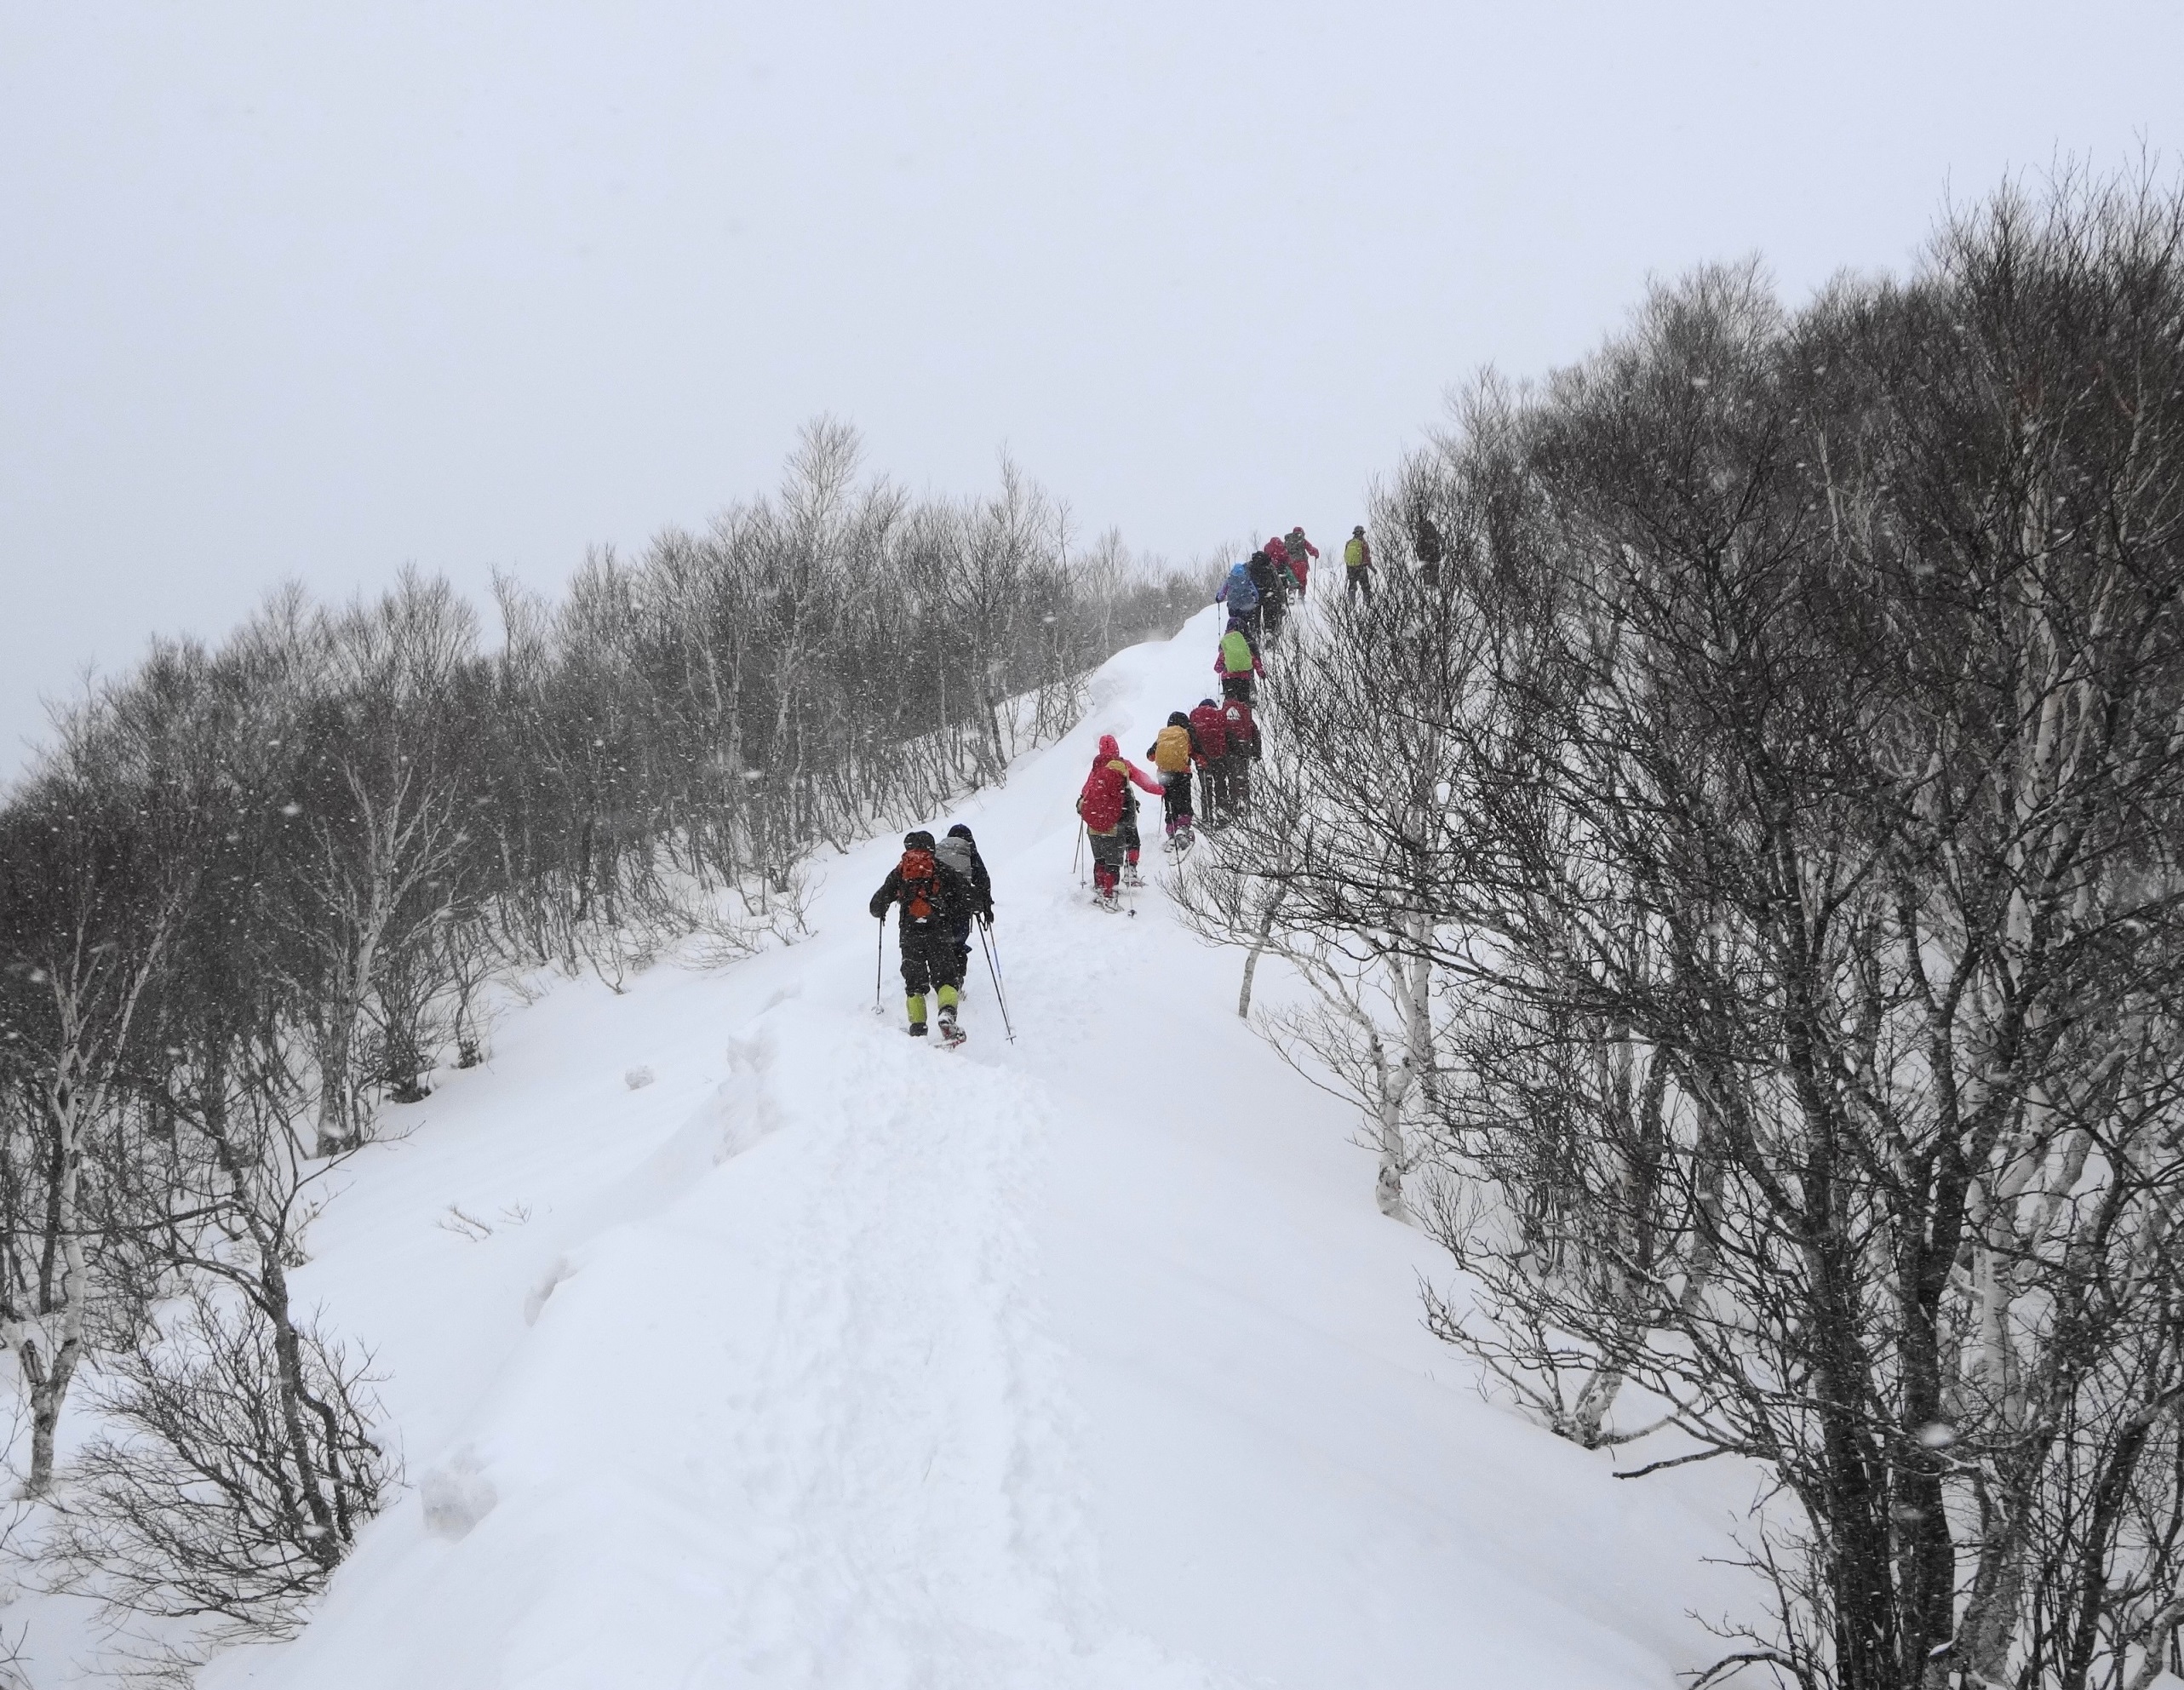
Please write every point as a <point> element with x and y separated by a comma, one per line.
<point>920,884</point>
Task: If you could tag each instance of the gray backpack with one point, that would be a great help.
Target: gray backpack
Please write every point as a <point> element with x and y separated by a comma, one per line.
<point>956,851</point>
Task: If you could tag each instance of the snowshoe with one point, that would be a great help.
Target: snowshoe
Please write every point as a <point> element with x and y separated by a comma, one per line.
<point>1179,842</point>
<point>1109,900</point>
<point>951,1035</point>
<point>1130,877</point>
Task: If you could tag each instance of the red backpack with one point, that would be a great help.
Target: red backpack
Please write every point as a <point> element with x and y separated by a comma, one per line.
<point>1212,733</point>
<point>920,884</point>
<point>1101,802</point>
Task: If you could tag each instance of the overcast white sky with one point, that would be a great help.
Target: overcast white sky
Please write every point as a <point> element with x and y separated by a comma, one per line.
<point>315,291</point>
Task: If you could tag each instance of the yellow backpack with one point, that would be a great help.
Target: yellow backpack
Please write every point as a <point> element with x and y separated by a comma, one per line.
<point>1172,750</point>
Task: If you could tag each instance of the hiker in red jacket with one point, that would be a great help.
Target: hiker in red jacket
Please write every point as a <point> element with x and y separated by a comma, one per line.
<point>1239,734</point>
<point>1212,737</point>
<point>1277,605</point>
<point>1301,552</point>
<point>1100,804</point>
<point>1236,661</point>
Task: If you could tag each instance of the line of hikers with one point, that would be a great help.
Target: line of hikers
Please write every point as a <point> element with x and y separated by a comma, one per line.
<point>1201,756</point>
<point>1257,591</point>
<point>1210,748</point>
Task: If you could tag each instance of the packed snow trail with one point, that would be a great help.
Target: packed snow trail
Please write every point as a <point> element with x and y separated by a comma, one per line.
<point>834,1361</point>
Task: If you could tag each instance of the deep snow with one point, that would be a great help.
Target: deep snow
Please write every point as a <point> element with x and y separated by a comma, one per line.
<point>830,1360</point>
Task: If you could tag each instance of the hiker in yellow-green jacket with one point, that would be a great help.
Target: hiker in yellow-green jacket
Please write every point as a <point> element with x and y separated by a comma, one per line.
<point>1357,566</point>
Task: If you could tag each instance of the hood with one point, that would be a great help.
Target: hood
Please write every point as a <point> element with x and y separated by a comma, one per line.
<point>1109,747</point>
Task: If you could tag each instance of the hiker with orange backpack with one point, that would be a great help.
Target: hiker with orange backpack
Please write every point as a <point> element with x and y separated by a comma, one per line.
<point>1174,751</point>
<point>1101,804</point>
<point>935,901</point>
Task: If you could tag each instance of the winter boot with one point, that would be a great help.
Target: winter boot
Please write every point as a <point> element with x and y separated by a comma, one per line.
<point>949,1030</point>
<point>917,1029</point>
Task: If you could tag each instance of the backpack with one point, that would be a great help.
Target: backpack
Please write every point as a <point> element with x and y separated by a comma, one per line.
<point>1236,718</point>
<point>921,886</point>
<point>1353,554</point>
<point>1235,653</point>
<point>1100,803</point>
<point>1212,735</point>
<point>1172,749</point>
<point>955,852</point>
<point>1243,591</point>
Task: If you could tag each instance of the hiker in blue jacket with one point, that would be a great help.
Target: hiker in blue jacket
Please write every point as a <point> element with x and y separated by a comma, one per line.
<point>1240,592</point>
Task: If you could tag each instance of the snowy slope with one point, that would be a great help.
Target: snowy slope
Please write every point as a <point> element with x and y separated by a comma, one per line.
<point>831,1360</point>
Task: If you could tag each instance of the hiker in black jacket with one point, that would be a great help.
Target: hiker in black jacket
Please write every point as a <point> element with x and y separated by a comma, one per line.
<point>959,851</point>
<point>1273,595</point>
<point>934,898</point>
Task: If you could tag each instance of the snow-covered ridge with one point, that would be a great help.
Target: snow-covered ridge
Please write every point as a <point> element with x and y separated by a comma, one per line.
<point>830,1360</point>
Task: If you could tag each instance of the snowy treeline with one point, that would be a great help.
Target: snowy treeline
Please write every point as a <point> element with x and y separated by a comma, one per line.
<point>252,893</point>
<point>1744,895</point>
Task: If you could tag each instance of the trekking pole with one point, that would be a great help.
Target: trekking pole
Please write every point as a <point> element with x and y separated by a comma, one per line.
<point>878,962</point>
<point>1077,855</point>
<point>993,968</point>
